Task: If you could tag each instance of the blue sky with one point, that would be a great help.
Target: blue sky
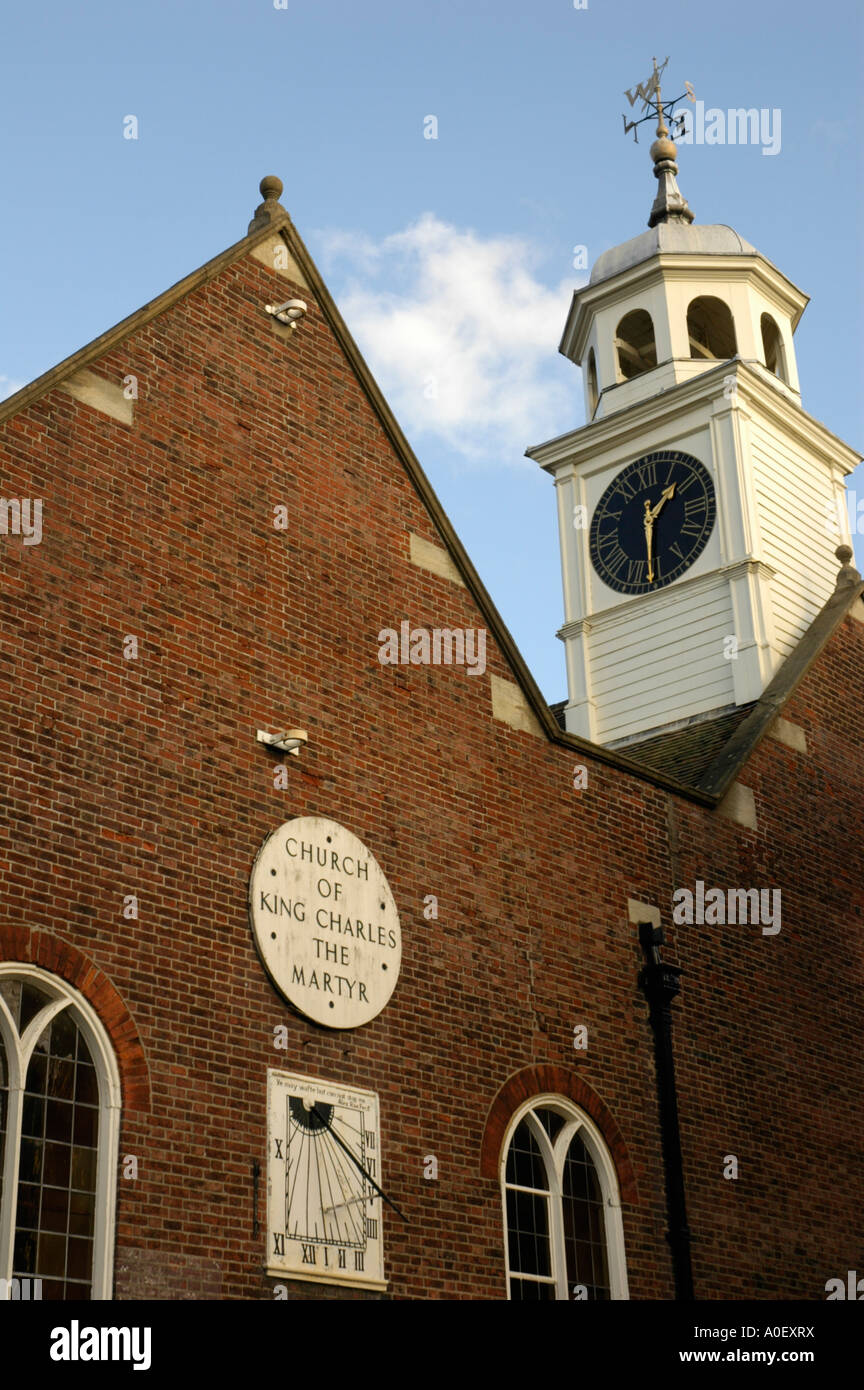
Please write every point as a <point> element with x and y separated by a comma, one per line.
<point>457,250</point>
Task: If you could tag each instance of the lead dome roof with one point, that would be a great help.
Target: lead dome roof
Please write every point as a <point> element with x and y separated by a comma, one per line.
<point>671,238</point>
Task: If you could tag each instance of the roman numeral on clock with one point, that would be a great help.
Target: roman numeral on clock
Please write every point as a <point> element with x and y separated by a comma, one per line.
<point>616,562</point>
<point>636,571</point>
<point>309,1254</point>
<point>371,1229</point>
<point>278,1243</point>
<point>646,475</point>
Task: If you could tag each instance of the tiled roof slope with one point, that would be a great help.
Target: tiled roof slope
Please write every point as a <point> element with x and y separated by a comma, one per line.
<point>686,753</point>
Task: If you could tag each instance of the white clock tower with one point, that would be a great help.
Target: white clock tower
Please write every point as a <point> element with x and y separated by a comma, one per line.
<point>700,507</point>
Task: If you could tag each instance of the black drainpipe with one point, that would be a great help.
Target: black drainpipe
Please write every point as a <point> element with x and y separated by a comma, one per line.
<point>660,984</point>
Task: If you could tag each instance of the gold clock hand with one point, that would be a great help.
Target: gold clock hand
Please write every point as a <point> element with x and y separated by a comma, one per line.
<point>664,498</point>
<point>648,523</point>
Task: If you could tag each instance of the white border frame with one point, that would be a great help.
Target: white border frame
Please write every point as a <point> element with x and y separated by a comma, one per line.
<point>575,1122</point>
<point>18,1051</point>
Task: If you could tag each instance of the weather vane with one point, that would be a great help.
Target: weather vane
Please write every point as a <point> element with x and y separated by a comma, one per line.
<point>654,107</point>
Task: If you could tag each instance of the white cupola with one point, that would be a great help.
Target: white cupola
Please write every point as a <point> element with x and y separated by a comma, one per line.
<point>700,507</point>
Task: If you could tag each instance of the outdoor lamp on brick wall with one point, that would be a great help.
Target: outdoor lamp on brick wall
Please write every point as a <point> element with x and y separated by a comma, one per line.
<point>289,313</point>
<point>290,741</point>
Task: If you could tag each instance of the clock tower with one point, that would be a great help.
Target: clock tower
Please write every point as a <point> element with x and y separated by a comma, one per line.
<point>700,506</point>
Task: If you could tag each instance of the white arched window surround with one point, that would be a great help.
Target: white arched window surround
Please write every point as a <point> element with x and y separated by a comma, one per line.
<point>18,1052</point>
<point>575,1122</point>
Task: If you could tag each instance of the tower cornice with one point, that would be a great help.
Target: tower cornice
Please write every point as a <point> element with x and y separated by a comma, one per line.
<point>754,388</point>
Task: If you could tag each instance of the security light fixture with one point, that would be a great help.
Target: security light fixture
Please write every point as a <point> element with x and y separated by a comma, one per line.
<point>289,741</point>
<point>288,313</point>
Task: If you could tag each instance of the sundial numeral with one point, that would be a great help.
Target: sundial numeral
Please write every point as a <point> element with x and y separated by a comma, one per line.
<point>358,1259</point>
<point>371,1228</point>
<point>342,1254</point>
<point>309,1255</point>
<point>278,1243</point>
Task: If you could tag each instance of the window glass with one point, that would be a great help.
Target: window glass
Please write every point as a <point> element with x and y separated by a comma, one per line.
<point>551,1121</point>
<point>584,1222</point>
<point>525,1166</point>
<point>48,1219</point>
<point>57,1175</point>
<point>558,1207</point>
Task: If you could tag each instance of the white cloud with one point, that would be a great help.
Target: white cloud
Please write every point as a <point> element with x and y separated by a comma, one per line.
<point>460,334</point>
<point>8,386</point>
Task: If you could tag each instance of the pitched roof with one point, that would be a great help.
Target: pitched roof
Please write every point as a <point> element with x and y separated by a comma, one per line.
<point>708,754</point>
<point>669,762</point>
<point>724,767</point>
<point>688,752</point>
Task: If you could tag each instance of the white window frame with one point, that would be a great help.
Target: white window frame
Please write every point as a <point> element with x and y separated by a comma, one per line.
<point>18,1052</point>
<point>575,1122</point>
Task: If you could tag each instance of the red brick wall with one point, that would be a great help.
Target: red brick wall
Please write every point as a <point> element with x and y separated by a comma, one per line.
<point>144,777</point>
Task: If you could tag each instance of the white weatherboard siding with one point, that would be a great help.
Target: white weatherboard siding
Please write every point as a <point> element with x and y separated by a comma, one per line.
<point>638,660</point>
<point>639,663</point>
<point>794,494</point>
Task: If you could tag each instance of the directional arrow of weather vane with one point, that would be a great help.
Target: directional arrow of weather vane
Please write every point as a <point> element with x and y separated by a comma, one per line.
<point>655,108</point>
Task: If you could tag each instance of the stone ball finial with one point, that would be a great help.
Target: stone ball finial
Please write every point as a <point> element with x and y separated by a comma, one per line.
<point>848,574</point>
<point>271,188</point>
<point>271,208</point>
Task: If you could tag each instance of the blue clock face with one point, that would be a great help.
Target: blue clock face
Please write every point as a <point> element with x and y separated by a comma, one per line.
<point>652,522</point>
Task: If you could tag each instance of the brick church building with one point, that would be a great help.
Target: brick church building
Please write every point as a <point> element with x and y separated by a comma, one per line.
<point>334,962</point>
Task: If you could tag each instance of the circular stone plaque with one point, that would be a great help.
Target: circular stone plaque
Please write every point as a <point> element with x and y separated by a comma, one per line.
<point>325,922</point>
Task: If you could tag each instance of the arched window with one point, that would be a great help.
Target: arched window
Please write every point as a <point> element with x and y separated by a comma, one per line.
<point>634,339</point>
<point>710,328</point>
<point>59,1121</point>
<point>772,347</point>
<point>593,394</point>
<point>562,1211</point>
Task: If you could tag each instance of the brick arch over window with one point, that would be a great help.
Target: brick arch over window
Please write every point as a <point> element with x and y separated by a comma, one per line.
<point>30,947</point>
<point>547,1079</point>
